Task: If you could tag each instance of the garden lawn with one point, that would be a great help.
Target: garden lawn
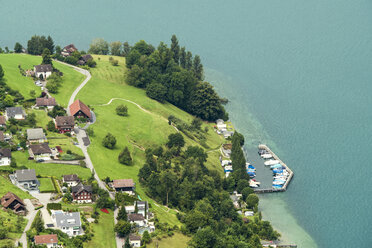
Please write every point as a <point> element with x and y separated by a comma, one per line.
<point>13,77</point>
<point>177,240</point>
<point>46,185</point>
<point>14,223</point>
<point>66,143</point>
<point>7,186</point>
<point>42,117</point>
<point>104,234</point>
<point>57,170</point>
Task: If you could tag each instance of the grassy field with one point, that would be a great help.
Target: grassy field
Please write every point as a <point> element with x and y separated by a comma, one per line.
<point>104,234</point>
<point>50,169</point>
<point>66,143</point>
<point>42,117</point>
<point>138,131</point>
<point>15,224</point>
<point>46,185</point>
<point>6,186</point>
<point>177,240</point>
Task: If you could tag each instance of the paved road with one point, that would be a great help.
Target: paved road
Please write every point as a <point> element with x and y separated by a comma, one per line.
<point>30,218</point>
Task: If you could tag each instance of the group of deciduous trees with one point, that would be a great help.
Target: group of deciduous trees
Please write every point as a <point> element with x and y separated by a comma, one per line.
<point>174,75</point>
<point>37,44</point>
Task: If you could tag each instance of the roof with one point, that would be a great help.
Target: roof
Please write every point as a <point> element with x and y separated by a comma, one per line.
<point>80,188</point>
<point>26,175</point>
<point>2,120</point>
<point>67,219</point>
<point>65,121</point>
<point>1,136</point>
<point>46,239</point>
<point>35,133</point>
<point>135,217</point>
<point>43,68</point>
<point>70,48</point>
<point>123,183</point>
<point>5,153</point>
<point>227,146</point>
<point>79,106</point>
<point>42,101</point>
<point>40,149</point>
<point>70,178</point>
<point>10,197</point>
<point>133,237</point>
<point>13,111</point>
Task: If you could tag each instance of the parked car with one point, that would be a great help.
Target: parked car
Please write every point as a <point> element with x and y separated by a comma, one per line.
<point>38,83</point>
<point>40,160</point>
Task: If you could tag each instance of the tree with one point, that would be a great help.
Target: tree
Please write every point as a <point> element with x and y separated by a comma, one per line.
<point>146,238</point>
<point>8,101</point>
<point>52,86</point>
<point>49,43</point>
<point>188,62</point>
<point>51,127</point>
<point>167,180</point>
<point>175,48</point>
<point>1,73</point>
<point>57,111</point>
<point>196,152</point>
<point>115,48</point>
<point>132,58</point>
<point>32,93</point>
<point>252,200</point>
<point>175,140</point>
<point>183,57</point>
<point>123,228</point>
<point>3,233</point>
<point>18,47</point>
<point>46,57</point>
<point>126,49</point>
<point>38,223</point>
<point>204,238</point>
<point>156,91</point>
<point>99,46</point>
<point>122,110</point>
<point>122,214</point>
<point>91,63</point>
<point>125,157</point>
<point>109,141</point>
<point>90,131</point>
<point>127,244</point>
<point>197,68</point>
<point>246,192</point>
<point>194,220</point>
<point>196,123</point>
<point>6,49</point>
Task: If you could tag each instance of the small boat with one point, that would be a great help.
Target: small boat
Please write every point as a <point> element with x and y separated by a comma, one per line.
<point>251,167</point>
<point>262,151</point>
<point>253,184</point>
<point>277,186</point>
<point>278,171</point>
<point>276,166</point>
<point>266,155</point>
<point>271,162</point>
<point>278,182</point>
<point>251,174</point>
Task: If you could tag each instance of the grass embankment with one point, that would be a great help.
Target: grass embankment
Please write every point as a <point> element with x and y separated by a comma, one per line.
<point>138,131</point>
<point>104,234</point>
<point>6,186</point>
<point>14,224</point>
<point>177,240</point>
<point>46,185</point>
<point>70,80</point>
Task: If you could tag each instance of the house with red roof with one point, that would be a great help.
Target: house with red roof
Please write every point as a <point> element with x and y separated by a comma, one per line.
<point>50,240</point>
<point>79,110</point>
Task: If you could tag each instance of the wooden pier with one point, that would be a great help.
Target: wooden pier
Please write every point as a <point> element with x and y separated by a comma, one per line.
<point>291,174</point>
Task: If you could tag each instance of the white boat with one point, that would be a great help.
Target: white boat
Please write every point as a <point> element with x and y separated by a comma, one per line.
<point>266,156</point>
<point>253,184</point>
<point>271,162</point>
<point>276,182</point>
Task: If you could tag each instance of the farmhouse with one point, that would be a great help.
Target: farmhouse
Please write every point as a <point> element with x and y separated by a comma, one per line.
<point>137,219</point>
<point>68,50</point>
<point>2,121</point>
<point>43,71</point>
<point>50,240</point>
<point>15,112</point>
<point>65,123</point>
<point>40,152</point>
<point>68,223</point>
<point>82,193</point>
<point>134,240</point>
<point>27,179</point>
<point>36,135</point>
<point>5,156</point>
<point>71,180</point>
<point>13,202</point>
<point>142,207</point>
<point>124,185</point>
<point>46,102</point>
<point>80,110</point>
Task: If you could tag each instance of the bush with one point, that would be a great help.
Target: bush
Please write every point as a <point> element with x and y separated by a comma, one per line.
<point>122,110</point>
<point>54,206</point>
<point>125,157</point>
<point>109,141</point>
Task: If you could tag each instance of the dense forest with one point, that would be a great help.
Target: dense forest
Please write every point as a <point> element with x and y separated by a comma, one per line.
<point>177,177</point>
<point>174,75</point>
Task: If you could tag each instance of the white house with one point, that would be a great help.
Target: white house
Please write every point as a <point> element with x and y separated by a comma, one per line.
<point>5,156</point>
<point>15,112</point>
<point>50,240</point>
<point>221,125</point>
<point>130,209</point>
<point>44,70</point>
<point>142,208</point>
<point>40,151</point>
<point>71,180</point>
<point>36,135</point>
<point>138,219</point>
<point>226,162</point>
<point>134,240</point>
<point>68,223</point>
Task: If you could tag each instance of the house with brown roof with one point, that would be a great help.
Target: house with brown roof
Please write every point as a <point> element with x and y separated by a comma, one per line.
<point>5,156</point>
<point>40,151</point>
<point>124,185</point>
<point>36,135</point>
<point>71,180</point>
<point>82,193</point>
<point>84,59</point>
<point>79,110</point>
<point>50,240</point>
<point>2,121</point>
<point>65,123</point>
<point>138,219</point>
<point>2,139</point>
<point>68,50</point>
<point>43,70</point>
<point>134,240</point>
<point>13,202</point>
<point>45,102</point>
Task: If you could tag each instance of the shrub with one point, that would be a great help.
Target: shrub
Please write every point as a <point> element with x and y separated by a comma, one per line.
<point>109,141</point>
<point>125,157</point>
<point>122,110</point>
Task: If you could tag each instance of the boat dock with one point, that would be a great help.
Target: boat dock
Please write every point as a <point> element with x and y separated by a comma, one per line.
<point>291,174</point>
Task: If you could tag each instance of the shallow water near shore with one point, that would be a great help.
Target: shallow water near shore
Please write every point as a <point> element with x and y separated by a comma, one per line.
<point>298,76</point>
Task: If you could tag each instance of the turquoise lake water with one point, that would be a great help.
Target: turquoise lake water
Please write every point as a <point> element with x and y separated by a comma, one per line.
<point>298,75</point>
